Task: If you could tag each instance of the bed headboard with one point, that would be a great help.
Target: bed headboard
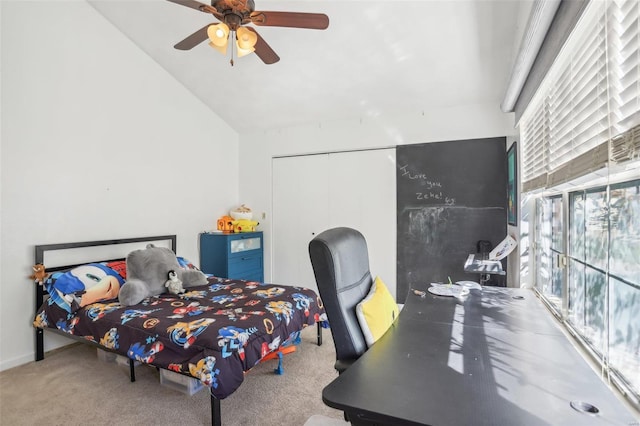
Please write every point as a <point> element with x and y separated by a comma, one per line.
<point>41,250</point>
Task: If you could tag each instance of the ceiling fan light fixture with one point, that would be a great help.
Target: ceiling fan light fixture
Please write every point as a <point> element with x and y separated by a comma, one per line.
<point>221,49</point>
<point>246,39</point>
<point>218,34</point>
<point>244,52</point>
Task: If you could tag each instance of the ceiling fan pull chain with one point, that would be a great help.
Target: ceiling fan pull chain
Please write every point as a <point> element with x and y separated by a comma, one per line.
<point>232,47</point>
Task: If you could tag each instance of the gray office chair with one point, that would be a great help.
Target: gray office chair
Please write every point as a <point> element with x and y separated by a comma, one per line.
<point>340,261</point>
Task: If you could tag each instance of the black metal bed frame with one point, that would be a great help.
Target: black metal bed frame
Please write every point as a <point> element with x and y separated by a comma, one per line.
<point>40,251</point>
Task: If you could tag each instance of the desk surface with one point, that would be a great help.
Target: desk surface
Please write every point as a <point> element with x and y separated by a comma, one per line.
<point>488,360</point>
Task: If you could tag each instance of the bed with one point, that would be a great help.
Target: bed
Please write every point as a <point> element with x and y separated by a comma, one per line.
<point>214,333</point>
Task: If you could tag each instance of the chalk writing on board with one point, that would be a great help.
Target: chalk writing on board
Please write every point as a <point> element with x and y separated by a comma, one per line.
<point>431,189</point>
<point>449,201</point>
<point>426,181</point>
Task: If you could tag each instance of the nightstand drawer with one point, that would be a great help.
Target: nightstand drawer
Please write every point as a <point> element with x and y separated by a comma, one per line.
<point>244,245</point>
<point>245,263</point>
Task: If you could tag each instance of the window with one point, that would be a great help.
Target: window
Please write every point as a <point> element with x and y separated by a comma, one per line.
<point>624,281</point>
<point>588,264</point>
<point>602,277</point>
<point>542,240</point>
<point>580,141</point>
<point>549,249</point>
<point>604,272</point>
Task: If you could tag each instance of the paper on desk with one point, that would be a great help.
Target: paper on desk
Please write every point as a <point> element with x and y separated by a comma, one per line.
<point>503,249</point>
<point>448,290</point>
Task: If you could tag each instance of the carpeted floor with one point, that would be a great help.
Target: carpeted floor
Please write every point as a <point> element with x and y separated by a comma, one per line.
<point>71,386</point>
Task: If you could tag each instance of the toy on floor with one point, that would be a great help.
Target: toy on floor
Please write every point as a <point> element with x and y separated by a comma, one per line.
<point>287,347</point>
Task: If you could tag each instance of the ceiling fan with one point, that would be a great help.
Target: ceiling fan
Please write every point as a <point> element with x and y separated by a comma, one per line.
<point>234,15</point>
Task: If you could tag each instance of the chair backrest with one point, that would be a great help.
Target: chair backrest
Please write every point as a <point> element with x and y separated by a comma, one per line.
<point>484,247</point>
<point>340,261</point>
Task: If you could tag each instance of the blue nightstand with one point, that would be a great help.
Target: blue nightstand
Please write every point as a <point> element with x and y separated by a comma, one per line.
<point>237,256</point>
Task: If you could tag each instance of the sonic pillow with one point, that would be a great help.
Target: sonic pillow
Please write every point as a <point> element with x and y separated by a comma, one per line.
<point>186,263</point>
<point>85,284</point>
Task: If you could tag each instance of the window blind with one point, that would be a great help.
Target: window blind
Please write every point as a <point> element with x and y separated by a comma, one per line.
<point>625,25</point>
<point>587,110</point>
<point>534,133</point>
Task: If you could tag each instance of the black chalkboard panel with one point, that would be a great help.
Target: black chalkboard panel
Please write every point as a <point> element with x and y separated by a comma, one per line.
<point>450,195</point>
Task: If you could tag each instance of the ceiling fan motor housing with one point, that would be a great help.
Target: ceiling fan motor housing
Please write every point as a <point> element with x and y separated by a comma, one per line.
<point>234,13</point>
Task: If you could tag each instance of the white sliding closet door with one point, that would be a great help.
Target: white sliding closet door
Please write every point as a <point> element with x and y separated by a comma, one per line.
<point>316,192</point>
<point>300,199</point>
<point>363,196</point>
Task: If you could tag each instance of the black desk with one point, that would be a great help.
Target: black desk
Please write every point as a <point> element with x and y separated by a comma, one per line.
<point>488,360</point>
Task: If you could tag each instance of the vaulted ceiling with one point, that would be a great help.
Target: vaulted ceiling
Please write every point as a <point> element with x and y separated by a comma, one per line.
<point>376,58</point>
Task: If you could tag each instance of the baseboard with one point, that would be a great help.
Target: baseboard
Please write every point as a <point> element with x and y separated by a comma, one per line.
<point>15,362</point>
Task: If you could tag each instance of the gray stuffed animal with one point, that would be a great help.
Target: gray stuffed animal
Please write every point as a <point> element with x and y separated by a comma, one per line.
<point>148,270</point>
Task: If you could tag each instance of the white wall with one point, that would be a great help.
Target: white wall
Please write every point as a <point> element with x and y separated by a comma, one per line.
<point>257,149</point>
<point>98,142</point>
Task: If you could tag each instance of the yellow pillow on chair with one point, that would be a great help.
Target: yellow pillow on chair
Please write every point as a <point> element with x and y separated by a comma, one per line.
<point>376,312</point>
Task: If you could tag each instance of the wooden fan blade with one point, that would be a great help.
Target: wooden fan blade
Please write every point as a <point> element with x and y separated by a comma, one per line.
<point>263,50</point>
<point>193,4</point>
<point>314,21</point>
<point>194,39</point>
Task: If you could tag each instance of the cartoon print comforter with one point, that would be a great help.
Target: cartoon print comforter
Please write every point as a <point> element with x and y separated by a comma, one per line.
<point>214,333</point>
